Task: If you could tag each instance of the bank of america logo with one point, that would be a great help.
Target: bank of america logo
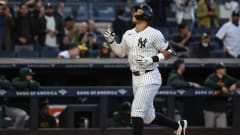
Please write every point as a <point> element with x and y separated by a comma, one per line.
<point>181,92</point>
<point>122,91</point>
<point>2,92</point>
<point>62,92</point>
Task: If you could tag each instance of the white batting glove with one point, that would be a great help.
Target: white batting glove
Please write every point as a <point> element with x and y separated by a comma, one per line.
<point>109,35</point>
<point>145,61</point>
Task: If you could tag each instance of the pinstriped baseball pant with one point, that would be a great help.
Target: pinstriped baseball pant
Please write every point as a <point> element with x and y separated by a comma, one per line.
<point>145,88</point>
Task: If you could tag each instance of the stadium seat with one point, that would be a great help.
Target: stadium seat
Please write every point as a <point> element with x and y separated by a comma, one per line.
<point>103,12</point>
<point>27,54</point>
<point>81,13</point>
<point>68,11</point>
<point>94,53</point>
<point>49,53</point>
<point>217,54</point>
<point>7,54</point>
<point>164,31</point>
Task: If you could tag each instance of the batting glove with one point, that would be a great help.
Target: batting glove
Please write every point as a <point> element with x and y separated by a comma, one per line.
<point>145,61</point>
<point>109,35</point>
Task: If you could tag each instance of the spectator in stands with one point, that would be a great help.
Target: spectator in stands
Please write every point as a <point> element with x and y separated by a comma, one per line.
<point>176,78</point>
<point>222,83</point>
<point>84,52</point>
<point>232,5</point>
<point>46,120</point>
<point>186,12</point>
<point>10,7</point>
<point>59,13</point>
<point>119,25</point>
<point>181,40</point>
<point>82,28</point>
<point>92,27</point>
<point>69,33</point>
<point>51,30</point>
<point>34,7</point>
<point>6,28</point>
<point>229,34</point>
<point>121,118</point>
<point>207,13</point>
<point>35,11</point>
<point>105,51</point>
<point>72,53</point>
<point>204,48</point>
<point>25,80</point>
<point>23,30</point>
<point>92,41</point>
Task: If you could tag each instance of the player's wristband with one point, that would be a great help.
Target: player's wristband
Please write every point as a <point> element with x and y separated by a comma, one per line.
<point>158,57</point>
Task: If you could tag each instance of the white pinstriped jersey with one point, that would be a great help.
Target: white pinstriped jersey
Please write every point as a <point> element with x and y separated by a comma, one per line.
<point>146,43</point>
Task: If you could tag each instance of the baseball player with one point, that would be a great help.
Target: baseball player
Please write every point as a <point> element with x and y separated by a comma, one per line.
<point>145,47</point>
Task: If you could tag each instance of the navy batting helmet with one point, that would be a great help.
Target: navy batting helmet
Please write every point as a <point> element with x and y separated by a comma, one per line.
<point>148,12</point>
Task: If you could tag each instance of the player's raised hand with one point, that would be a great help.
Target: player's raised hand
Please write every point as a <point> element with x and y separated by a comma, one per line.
<point>145,61</point>
<point>109,35</point>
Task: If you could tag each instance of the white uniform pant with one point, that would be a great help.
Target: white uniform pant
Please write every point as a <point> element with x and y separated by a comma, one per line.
<point>145,88</point>
<point>18,115</point>
<point>215,119</point>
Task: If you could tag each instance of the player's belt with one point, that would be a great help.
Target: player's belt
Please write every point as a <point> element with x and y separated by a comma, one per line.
<point>138,73</point>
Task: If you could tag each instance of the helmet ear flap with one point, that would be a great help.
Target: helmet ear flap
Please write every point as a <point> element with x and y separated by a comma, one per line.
<point>147,15</point>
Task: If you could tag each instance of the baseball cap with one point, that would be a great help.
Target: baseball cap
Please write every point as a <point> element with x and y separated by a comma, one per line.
<point>220,65</point>
<point>48,5</point>
<point>2,2</point>
<point>205,35</point>
<point>26,71</point>
<point>105,46</point>
<point>235,13</point>
<point>82,47</point>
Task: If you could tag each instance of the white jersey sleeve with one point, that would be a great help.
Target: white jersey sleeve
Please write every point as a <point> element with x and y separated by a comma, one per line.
<point>221,32</point>
<point>159,42</point>
<point>120,49</point>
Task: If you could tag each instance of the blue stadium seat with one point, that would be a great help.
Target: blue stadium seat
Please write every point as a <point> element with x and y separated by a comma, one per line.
<point>81,13</point>
<point>27,54</point>
<point>7,54</point>
<point>217,54</point>
<point>68,11</point>
<point>49,52</point>
<point>103,12</point>
<point>101,39</point>
<point>165,31</point>
<point>94,53</point>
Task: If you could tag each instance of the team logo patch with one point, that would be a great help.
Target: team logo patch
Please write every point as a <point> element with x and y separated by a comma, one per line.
<point>142,43</point>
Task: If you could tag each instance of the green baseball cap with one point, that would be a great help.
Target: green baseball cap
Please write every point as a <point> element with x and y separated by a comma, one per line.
<point>220,65</point>
<point>26,71</point>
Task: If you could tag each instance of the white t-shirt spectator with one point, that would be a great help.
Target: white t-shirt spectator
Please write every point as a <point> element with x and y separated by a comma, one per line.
<point>66,55</point>
<point>229,33</point>
<point>186,12</point>
<point>51,40</point>
<point>232,6</point>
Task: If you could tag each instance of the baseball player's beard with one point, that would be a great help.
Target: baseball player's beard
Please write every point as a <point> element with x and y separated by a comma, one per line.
<point>134,20</point>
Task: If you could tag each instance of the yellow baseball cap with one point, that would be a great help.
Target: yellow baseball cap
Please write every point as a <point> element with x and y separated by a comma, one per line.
<point>82,47</point>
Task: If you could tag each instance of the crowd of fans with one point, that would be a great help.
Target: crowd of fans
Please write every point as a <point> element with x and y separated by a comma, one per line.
<point>41,30</point>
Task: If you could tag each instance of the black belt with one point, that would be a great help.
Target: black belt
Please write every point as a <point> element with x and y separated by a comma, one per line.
<point>138,73</point>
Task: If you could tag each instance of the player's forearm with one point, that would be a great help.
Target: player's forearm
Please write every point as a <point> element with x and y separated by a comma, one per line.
<point>118,49</point>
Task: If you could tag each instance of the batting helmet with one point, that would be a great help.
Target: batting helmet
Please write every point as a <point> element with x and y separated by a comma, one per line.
<point>146,15</point>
